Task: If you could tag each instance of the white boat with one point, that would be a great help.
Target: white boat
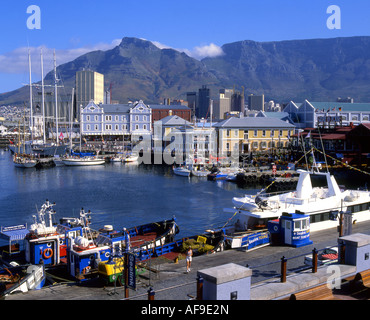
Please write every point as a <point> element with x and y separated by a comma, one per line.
<point>322,204</point>
<point>131,158</point>
<point>182,171</point>
<point>84,161</point>
<point>23,162</point>
<point>202,172</point>
<point>58,161</point>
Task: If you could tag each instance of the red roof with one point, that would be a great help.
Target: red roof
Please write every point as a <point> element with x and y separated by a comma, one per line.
<point>334,136</point>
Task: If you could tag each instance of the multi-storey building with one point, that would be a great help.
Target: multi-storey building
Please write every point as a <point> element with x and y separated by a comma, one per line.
<point>116,120</point>
<point>253,134</point>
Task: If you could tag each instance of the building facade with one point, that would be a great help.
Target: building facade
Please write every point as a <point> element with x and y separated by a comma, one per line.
<point>89,86</point>
<point>328,114</point>
<point>116,120</point>
<point>253,134</point>
<point>161,111</point>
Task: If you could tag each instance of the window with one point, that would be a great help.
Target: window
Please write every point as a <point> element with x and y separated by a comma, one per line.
<point>297,225</point>
<point>96,127</point>
<point>116,118</point>
<point>116,127</point>
<point>263,133</point>
<point>87,118</point>
<point>108,118</point>
<point>236,133</point>
<point>144,126</point>
<point>136,118</point>
<point>144,118</point>
<point>255,133</point>
<point>108,127</point>
<point>272,133</point>
<point>228,133</point>
<point>280,133</point>
<point>88,127</point>
<point>136,127</point>
<point>96,118</point>
<point>227,146</point>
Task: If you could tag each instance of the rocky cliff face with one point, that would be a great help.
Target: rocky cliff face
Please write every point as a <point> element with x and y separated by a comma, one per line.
<point>317,69</point>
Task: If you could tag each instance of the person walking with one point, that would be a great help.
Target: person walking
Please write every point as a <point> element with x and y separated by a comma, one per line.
<point>189,258</point>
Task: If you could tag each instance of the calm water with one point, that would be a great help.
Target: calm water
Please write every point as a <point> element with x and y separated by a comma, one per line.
<point>117,194</point>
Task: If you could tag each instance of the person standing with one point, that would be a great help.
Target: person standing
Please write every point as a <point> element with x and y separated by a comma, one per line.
<point>189,258</point>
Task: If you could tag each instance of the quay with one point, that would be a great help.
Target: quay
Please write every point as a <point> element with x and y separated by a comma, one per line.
<point>169,280</point>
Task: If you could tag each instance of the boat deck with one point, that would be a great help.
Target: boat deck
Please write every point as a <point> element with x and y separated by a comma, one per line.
<point>140,240</point>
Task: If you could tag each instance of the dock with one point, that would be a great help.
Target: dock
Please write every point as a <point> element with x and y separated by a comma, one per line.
<point>170,281</point>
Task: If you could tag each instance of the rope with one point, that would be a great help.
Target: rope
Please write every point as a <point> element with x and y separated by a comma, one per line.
<point>345,164</point>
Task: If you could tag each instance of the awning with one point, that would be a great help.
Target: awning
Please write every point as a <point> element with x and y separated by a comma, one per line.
<point>14,232</point>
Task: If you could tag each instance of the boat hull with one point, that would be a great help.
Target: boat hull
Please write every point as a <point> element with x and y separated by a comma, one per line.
<point>81,162</point>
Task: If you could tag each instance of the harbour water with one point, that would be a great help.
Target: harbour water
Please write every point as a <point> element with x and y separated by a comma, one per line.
<point>122,195</point>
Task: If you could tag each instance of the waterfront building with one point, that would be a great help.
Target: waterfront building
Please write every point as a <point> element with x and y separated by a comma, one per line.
<point>194,142</point>
<point>253,134</point>
<point>122,121</point>
<point>191,98</point>
<point>89,86</point>
<point>327,114</point>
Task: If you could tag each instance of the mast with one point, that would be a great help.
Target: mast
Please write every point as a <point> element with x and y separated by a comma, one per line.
<point>70,121</point>
<point>31,107</point>
<point>56,99</point>
<point>43,98</point>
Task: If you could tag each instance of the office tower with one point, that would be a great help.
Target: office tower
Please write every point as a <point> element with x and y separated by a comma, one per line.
<point>256,102</point>
<point>89,86</point>
<point>191,98</point>
<point>202,111</point>
<point>237,102</point>
<point>224,105</point>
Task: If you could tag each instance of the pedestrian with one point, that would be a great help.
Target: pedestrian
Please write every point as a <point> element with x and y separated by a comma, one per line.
<point>189,258</point>
<point>127,239</point>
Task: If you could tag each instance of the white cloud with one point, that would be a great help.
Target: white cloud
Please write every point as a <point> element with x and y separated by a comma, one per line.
<point>198,53</point>
<point>16,61</point>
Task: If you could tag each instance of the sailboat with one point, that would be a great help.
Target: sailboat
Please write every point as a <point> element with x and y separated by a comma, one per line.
<point>21,160</point>
<point>41,147</point>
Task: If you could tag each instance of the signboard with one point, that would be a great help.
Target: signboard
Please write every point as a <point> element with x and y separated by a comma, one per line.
<point>131,269</point>
<point>347,224</point>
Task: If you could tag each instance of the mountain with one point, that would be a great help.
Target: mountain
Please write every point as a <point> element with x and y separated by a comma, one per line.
<point>316,69</point>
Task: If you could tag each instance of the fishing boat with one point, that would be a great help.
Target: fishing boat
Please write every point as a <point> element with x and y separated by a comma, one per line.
<point>112,270</point>
<point>322,204</point>
<point>83,161</point>
<point>85,253</point>
<point>21,161</point>
<point>182,171</point>
<point>21,279</point>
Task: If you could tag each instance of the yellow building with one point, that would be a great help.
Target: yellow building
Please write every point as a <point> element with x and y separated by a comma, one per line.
<point>253,134</point>
<point>89,86</point>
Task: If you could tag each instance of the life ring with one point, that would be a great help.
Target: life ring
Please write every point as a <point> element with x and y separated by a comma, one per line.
<point>276,228</point>
<point>48,253</point>
<point>86,270</point>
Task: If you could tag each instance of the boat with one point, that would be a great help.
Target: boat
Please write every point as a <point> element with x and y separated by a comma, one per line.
<point>58,161</point>
<point>223,174</point>
<point>85,253</point>
<point>112,270</point>
<point>133,157</point>
<point>201,172</point>
<point>22,161</point>
<point>83,161</point>
<point>182,171</point>
<point>15,279</point>
<point>321,204</point>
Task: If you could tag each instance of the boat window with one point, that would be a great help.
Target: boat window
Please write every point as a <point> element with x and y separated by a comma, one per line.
<point>304,223</point>
<point>287,224</point>
<point>297,225</point>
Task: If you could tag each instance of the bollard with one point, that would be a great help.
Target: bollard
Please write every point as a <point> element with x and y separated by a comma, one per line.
<point>199,288</point>
<point>314,260</point>
<point>283,269</point>
<point>151,294</point>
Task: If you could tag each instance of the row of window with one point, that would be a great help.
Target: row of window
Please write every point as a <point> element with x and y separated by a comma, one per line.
<point>350,209</point>
<point>116,118</point>
<point>255,133</point>
<point>116,127</point>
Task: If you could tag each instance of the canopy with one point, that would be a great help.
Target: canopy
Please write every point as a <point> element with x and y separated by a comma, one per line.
<point>14,232</point>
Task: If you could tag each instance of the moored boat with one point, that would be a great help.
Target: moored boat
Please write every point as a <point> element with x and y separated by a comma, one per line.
<point>21,161</point>
<point>182,171</point>
<point>83,161</point>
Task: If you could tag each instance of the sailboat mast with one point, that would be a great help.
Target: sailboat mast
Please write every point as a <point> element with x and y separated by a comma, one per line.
<point>43,98</point>
<point>56,99</point>
<point>31,107</point>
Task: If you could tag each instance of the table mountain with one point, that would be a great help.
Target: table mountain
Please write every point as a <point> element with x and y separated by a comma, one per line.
<point>316,69</point>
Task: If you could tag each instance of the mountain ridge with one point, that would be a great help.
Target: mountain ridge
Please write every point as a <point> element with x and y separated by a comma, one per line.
<point>313,69</point>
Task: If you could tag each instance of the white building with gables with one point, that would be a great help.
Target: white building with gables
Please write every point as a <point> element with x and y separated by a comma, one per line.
<point>116,120</point>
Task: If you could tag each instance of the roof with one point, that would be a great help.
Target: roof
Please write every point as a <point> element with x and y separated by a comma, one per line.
<point>14,233</point>
<point>174,121</point>
<point>253,122</point>
<point>169,107</point>
<point>334,136</point>
<point>116,108</point>
<point>343,105</point>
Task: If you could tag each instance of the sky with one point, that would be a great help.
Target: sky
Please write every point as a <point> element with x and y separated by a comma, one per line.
<point>198,28</point>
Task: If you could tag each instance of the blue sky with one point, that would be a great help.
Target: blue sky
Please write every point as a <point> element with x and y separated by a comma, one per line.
<point>197,27</point>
